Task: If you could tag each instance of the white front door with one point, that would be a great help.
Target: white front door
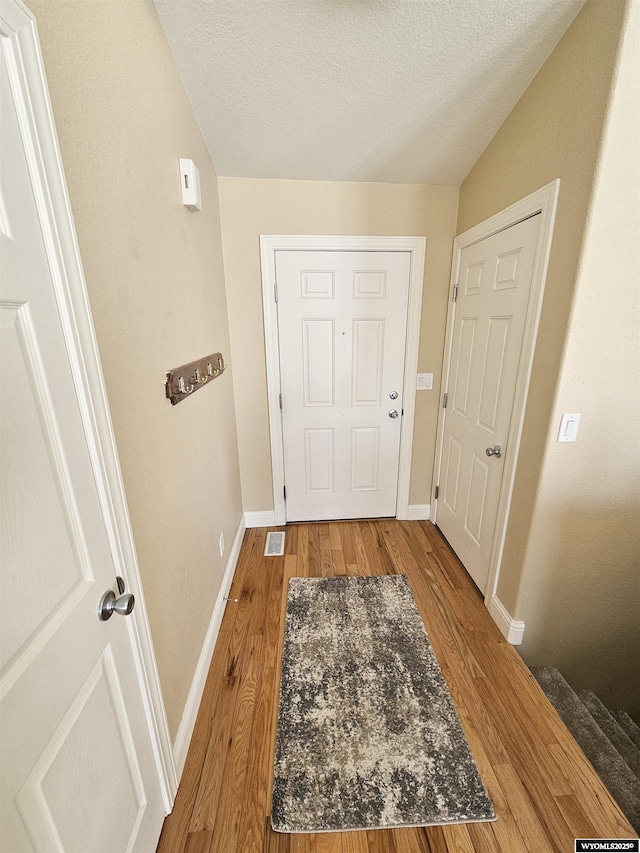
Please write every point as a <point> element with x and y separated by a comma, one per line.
<point>342,323</point>
<point>78,770</point>
<point>495,278</point>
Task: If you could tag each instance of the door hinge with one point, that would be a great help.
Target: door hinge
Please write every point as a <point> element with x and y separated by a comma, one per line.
<point>275,292</point>
<point>436,494</point>
<point>280,399</point>
<point>455,292</point>
<point>445,400</point>
<point>284,492</point>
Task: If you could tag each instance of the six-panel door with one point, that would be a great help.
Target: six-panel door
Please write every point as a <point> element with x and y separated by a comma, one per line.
<point>342,319</point>
<point>494,285</point>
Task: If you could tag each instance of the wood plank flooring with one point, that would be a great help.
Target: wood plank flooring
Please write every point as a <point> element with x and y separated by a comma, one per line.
<point>544,791</point>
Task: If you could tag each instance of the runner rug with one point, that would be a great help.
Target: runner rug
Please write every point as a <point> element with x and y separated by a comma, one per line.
<point>368,736</point>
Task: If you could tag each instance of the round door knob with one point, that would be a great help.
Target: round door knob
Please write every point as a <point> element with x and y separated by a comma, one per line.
<point>494,451</point>
<point>393,413</point>
<point>124,604</point>
<point>109,605</point>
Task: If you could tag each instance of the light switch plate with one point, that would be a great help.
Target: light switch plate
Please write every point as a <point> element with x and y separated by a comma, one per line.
<point>568,427</point>
<point>424,382</point>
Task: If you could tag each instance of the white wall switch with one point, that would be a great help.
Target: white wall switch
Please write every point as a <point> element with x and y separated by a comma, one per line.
<point>190,183</point>
<point>424,382</point>
<point>569,427</point>
<point>221,544</point>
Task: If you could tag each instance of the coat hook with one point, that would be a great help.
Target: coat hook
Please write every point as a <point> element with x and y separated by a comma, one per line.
<point>199,371</point>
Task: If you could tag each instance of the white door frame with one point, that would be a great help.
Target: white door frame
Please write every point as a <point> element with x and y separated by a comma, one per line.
<point>543,201</point>
<point>28,83</point>
<point>269,245</point>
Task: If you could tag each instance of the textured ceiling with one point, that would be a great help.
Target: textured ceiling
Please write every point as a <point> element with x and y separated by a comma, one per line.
<point>357,90</point>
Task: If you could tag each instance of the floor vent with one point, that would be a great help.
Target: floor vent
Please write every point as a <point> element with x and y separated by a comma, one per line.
<point>275,544</point>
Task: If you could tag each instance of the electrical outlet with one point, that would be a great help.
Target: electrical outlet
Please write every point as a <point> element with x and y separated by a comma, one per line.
<point>221,544</point>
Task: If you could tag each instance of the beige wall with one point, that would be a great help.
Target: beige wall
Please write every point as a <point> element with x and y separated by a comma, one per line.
<point>570,568</point>
<point>155,279</point>
<point>249,208</point>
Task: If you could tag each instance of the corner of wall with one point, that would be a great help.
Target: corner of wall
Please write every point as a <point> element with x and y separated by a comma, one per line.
<point>511,629</point>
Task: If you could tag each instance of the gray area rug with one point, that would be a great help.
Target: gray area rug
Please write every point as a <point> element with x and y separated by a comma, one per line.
<point>368,736</point>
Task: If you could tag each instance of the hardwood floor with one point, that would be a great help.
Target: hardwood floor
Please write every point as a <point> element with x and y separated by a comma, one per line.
<point>544,791</point>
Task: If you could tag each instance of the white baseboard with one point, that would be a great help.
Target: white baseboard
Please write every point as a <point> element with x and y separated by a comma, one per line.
<point>419,512</point>
<point>188,721</point>
<point>511,629</point>
<point>266,518</point>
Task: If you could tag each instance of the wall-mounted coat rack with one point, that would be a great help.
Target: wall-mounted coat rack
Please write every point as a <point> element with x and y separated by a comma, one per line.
<point>184,380</point>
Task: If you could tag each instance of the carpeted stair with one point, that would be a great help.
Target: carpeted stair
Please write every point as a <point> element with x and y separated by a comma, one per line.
<point>625,722</point>
<point>609,740</point>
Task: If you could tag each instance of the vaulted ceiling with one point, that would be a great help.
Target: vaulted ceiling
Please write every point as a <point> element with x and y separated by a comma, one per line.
<point>405,91</point>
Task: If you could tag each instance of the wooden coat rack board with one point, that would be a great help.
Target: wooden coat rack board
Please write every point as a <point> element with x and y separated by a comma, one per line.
<point>184,380</point>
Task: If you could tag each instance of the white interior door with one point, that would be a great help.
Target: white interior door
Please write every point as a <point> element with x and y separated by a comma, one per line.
<point>495,278</point>
<point>78,770</point>
<point>342,324</point>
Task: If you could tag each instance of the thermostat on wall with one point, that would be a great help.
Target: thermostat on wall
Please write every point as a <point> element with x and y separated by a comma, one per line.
<point>190,182</point>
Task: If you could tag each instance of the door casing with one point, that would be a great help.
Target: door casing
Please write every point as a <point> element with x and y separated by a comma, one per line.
<point>28,82</point>
<point>269,245</point>
<point>543,201</point>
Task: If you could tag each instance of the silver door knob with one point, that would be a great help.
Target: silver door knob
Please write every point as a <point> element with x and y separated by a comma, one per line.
<point>393,413</point>
<point>109,604</point>
<point>494,451</point>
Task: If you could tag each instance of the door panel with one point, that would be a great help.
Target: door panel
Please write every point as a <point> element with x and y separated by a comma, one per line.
<point>78,770</point>
<point>365,459</point>
<point>41,533</point>
<point>452,472</point>
<point>342,320</point>
<point>477,497</point>
<point>494,285</point>
<point>463,365</point>
<point>71,769</point>
<point>318,354</point>
<point>493,372</point>
<point>319,460</point>
<point>368,353</point>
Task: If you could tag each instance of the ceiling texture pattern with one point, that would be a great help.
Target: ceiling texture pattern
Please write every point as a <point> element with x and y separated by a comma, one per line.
<point>404,91</point>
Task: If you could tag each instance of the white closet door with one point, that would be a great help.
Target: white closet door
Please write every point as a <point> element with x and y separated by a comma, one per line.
<point>490,313</point>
